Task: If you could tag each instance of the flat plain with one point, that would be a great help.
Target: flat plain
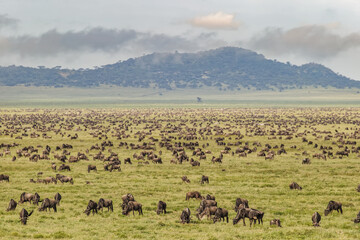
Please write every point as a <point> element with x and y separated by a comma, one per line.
<point>242,135</point>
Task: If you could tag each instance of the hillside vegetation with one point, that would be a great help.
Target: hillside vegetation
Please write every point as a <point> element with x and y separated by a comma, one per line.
<point>227,68</point>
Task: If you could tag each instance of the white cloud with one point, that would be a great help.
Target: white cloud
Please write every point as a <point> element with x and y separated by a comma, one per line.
<point>217,20</point>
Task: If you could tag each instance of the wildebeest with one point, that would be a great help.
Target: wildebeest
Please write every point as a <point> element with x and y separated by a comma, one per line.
<point>252,214</point>
<point>357,219</point>
<point>206,211</point>
<point>358,188</point>
<point>204,179</point>
<point>48,204</point>
<point>276,222</point>
<point>127,198</point>
<point>64,167</point>
<point>185,179</point>
<point>28,197</point>
<point>63,178</point>
<point>24,215</point>
<point>240,201</point>
<point>92,167</point>
<point>207,203</point>
<point>316,218</point>
<point>105,203</point>
<point>332,205</point>
<point>50,180</point>
<point>127,160</point>
<point>161,207</point>
<point>195,194</point>
<point>133,206</point>
<point>306,161</point>
<point>221,213</point>
<point>294,185</point>
<point>57,198</point>
<point>92,206</point>
<point>185,215</point>
<point>209,197</point>
<point>12,205</point>
<point>4,177</point>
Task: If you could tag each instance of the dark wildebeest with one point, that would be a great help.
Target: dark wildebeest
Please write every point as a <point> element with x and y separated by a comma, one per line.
<point>132,206</point>
<point>306,161</point>
<point>4,177</point>
<point>240,201</point>
<point>206,211</point>
<point>316,218</point>
<point>209,197</point>
<point>276,222</point>
<point>250,213</point>
<point>64,167</point>
<point>48,204</point>
<point>204,179</point>
<point>28,197</point>
<point>12,205</point>
<point>332,205</point>
<point>294,185</point>
<point>357,219</point>
<point>92,167</point>
<point>195,194</point>
<point>358,188</point>
<point>24,215</point>
<point>105,203</point>
<point>185,216</point>
<point>127,160</point>
<point>221,213</point>
<point>185,179</point>
<point>161,207</point>
<point>57,198</point>
<point>91,206</point>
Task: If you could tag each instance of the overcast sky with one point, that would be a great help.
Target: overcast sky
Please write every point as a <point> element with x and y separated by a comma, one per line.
<point>88,33</point>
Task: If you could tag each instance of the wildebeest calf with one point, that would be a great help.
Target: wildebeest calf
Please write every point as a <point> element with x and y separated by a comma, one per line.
<point>276,222</point>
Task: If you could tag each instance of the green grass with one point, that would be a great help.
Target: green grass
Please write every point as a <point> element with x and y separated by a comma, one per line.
<point>263,182</point>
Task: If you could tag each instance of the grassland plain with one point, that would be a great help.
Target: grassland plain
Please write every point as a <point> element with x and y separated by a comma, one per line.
<point>265,183</point>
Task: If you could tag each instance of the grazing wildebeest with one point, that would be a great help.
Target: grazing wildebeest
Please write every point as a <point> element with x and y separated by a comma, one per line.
<point>221,213</point>
<point>306,161</point>
<point>4,177</point>
<point>28,197</point>
<point>294,185</point>
<point>185,216</point>
<point>195,194</point>
<point>332,205</point>
<point>57,198</point>
<point>207,203</point>
<point>357,219</point>
<point>12,205</point>
<point>209,197</point>
<point>316,218</point>
<point>276,222</point>
<point>24,215</point>
<point>50,180</point>
<point>92,206</point>
<point>48,204</point>
<point>204,179</point>
<point>132,206</point>
<point>105,203</point>
<point>161,207</point>
<point>64,167</point>
<point>92,167</point>
<point>185,179</point>
<point>206,211</point>
<point>240,201</point>
<point>250,213</point>
<point>63,179</point>
<point>127,160</point>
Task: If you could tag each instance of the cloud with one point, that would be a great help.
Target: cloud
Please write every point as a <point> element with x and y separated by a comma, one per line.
<point>317,41</point>
<point>217,20</point>
<point>53,43</point>
<point>5,21</point>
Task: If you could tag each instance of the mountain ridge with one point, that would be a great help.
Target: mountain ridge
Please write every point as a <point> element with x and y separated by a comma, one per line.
<point>228,68</point>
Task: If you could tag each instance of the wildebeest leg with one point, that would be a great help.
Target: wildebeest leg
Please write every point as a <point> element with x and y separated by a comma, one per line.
<point>251,220</point>
<point>227,219</point>
<point>244,221</point>
<point>341,210</point>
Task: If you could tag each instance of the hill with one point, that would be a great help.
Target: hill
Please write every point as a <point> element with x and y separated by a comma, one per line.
<point>224,68</point>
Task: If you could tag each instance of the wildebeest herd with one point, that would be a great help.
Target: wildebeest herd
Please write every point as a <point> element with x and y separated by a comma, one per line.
<point>97,142</point>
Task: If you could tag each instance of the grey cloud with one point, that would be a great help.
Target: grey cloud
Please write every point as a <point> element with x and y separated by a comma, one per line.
<point>5,21</point>
<point>311,40</point>
<point>52,43</point>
